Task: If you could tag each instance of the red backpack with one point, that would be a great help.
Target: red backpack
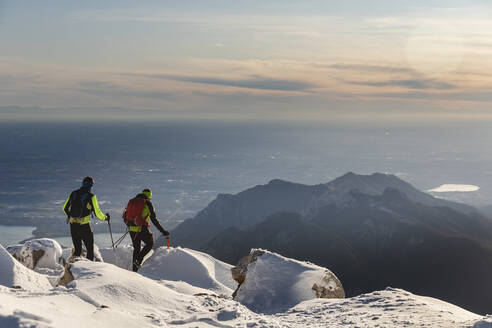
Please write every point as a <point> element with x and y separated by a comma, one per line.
<point>133,212</point>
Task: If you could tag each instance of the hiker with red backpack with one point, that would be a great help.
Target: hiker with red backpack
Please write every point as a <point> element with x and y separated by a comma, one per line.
<point>136,215</point>
<point>79,206</point>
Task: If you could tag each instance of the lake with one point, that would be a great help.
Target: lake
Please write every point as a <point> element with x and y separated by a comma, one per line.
<point>188,163</point>
<point>13,234</point>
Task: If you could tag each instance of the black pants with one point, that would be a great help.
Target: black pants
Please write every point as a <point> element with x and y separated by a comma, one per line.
<point>138,254</point>
<point>82,232</point>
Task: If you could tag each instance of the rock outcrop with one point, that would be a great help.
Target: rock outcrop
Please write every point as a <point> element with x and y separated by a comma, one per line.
<point>38,253</point>
<point>270,283</point>
<point>239,271</point>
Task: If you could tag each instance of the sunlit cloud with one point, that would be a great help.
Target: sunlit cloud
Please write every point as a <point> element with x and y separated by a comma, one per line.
<point>368,68</point>
<point>235,63</point>
<point>256,82</point>
<point>410,84</point>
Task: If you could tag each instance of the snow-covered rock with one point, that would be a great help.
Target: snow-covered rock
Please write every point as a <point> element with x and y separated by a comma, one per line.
<point>38,253</point>
<point>103,295</point>
<point>14,274</point>
<point>192,267</point>
<point>271,283</point>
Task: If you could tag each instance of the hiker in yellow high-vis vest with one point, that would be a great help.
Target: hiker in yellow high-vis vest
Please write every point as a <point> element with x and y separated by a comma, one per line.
<point>137,214</point>
<point>78,208</point>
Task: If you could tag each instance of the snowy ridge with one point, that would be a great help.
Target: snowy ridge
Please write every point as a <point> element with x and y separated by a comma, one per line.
<point>195,268</point>
<point>388,308</point>
<point>104,295</point>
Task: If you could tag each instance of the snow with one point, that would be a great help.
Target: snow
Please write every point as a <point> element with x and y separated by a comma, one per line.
<point>13,273</point>
<point>66,252</point>
<point>455,188</point>
<point>123,258</point>
<point>51,259</point>
<point>104,295</point>
<point>192,267</point>
<point>122,289</point>
<point>275,283</point>
<point>388,308</point>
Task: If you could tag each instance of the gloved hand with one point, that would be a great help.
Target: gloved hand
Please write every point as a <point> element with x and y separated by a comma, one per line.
<point>108,217</point>
<point>165,233</point>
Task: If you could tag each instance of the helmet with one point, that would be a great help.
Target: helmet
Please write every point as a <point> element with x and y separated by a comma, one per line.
<point>147,192</point>
<point>88,182</point>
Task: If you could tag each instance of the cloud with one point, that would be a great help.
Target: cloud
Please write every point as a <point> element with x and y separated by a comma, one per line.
<point>101,88</point>
<point>255,82</point>
<point>476,97</point>
<point>418,84</point>
<point>370,68</point>
<point>12,79</point>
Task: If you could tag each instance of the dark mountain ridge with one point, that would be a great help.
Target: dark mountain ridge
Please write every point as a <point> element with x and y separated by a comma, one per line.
<point>372,231</point>
<point>253,205</point>
<point>245,209</point>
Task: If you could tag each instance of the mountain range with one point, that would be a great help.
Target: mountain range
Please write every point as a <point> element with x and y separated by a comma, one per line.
<point>372,231</point>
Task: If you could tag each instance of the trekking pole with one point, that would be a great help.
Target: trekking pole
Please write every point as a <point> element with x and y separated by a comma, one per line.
<point>112,242</point>
<point>167,237</point>
<point>120,240</point>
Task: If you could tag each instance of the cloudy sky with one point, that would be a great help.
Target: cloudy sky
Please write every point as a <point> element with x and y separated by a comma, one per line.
<point>257,59</point>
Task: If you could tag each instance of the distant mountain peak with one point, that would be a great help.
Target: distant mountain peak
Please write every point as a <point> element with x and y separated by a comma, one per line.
<point>278,182</point>
<point>351,176</point>
<point>373,184</point>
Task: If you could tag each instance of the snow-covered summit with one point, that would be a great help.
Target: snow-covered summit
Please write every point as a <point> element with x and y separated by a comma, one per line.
<point>104,295</point>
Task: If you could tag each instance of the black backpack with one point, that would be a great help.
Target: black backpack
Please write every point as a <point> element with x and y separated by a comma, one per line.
<point>78,204</point>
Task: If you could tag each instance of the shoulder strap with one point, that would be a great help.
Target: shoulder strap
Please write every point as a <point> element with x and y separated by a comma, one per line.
<point>83,202</point>
<point>73,196</point>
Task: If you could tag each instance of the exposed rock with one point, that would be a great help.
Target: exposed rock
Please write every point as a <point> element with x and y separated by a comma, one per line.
<point>67,276</point>
<point>329,288</point>
<point>240,270</point>
<point>38,253</point>
<point>25,255</point>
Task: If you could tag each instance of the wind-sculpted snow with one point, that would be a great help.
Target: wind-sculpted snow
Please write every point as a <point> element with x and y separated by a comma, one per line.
<point>195,268</point>
<point>104,295</point>
<point>104,284</point>
<point>14,274</point>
